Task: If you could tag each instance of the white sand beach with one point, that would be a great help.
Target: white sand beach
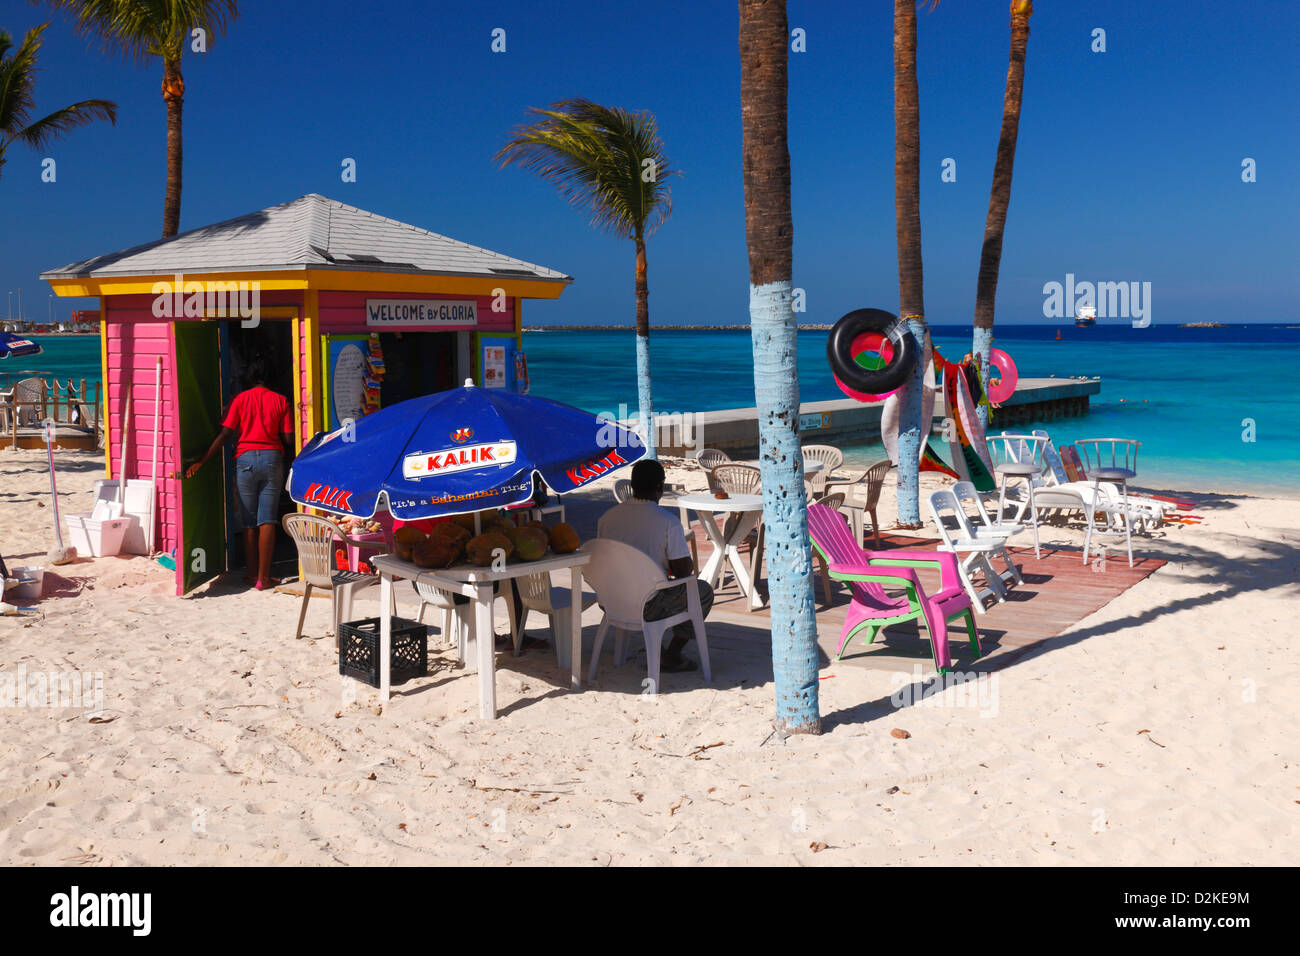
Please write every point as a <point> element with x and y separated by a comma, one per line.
<point>1159,730</point>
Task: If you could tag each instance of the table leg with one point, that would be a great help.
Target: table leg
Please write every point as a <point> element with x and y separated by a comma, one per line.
<point>575,612</point>
<point>487,687</point>
<point>516,639</point>
<point>385,636</point>
<point>756,567</point>
<point>743,526</point>
<point>712,570</point>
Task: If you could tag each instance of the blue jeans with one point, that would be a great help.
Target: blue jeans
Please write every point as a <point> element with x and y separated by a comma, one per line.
<point>259,479</point>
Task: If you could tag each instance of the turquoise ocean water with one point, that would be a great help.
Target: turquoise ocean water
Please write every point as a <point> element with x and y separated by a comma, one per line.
<point>1184,393</point>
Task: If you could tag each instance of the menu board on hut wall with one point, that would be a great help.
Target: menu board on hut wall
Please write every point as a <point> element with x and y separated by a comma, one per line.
<point>494,366</point>
<point>422,313</point>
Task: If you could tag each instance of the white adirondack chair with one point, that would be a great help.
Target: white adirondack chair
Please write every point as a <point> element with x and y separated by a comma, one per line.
<point>624,579</point>
<point>538,594</point>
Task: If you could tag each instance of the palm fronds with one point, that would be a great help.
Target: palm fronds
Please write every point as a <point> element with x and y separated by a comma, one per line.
<point>17,79</point>
<point>144,28</point>
<point>606,161</point>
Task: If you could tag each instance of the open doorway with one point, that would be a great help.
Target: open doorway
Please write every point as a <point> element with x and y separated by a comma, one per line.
<point>273,341</point>
<point>417,363</point>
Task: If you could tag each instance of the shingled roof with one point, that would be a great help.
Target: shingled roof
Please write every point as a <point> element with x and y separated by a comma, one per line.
<point>313,232</point>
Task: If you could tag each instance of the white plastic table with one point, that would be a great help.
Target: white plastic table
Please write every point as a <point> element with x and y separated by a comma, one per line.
<point>748,509</point>
<point>475,583</point>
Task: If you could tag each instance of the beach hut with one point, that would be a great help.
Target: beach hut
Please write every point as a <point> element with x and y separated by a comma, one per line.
<point>352,311</point>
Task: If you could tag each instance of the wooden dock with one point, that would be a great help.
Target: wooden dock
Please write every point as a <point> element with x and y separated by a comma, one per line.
<point>735,430</point>
<point>1059,591</point>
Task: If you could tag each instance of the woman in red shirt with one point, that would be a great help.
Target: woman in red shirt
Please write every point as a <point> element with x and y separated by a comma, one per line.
<point>265,426</point>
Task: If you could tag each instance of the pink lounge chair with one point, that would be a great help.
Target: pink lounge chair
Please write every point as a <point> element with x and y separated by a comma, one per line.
<point>866,571</point>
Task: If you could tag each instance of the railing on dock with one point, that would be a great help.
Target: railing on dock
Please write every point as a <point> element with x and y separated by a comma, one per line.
<point>29,399</point>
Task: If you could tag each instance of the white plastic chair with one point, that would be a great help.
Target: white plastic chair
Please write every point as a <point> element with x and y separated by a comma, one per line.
<point>973,553</point>
<point>538,594</point>
<point>315,537</point>
<point>35,394</point>
<point>457,619</point>
<point>1119,470</point>
<point>710,458</point>
<point>980,522</point>
<point>624,579</point>
<point>830,458</point>
<point>1148,513</point>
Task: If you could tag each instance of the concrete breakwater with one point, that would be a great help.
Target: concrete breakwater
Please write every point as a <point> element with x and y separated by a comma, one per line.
<point>735,430</point>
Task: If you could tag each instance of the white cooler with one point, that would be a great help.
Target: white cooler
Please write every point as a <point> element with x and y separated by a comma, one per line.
<point>98,538</point>
<point>138,510</point>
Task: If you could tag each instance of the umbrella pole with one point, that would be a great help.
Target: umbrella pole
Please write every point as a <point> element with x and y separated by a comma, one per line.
<point>59,554</point>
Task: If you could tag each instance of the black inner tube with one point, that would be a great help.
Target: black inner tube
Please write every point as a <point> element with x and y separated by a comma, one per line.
<point>839,351</point>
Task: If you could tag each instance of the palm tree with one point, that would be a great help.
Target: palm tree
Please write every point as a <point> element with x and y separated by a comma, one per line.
<point>1000,192</point>
<point>162,28</point>
<point>609,162</point>
<point>17,76</point>
<point>911,300</point>
<point>769,233</point>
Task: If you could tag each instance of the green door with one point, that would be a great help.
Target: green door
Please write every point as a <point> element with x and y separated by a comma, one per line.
<point>202,554</point>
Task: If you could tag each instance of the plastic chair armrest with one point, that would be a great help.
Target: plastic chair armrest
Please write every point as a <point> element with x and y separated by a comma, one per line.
<point>892,575</point>
<point>944,561</point>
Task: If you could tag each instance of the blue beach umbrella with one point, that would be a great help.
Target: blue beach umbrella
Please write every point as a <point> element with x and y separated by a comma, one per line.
<point>11,344</point>
<point>458,451</point>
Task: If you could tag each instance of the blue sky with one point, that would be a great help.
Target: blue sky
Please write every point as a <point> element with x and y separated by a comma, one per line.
<point>1128,168</point>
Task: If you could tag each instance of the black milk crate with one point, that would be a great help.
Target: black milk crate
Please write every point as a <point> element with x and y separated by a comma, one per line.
<point>359,650</point>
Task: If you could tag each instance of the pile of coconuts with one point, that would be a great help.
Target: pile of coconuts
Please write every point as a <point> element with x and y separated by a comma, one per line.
<point>454,541</point>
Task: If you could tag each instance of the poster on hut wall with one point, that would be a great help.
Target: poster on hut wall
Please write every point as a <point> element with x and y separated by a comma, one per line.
<point>494,366</point>
<point>346,364</point>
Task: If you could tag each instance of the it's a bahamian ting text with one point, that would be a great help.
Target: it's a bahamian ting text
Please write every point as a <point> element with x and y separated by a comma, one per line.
<point>77,909</point>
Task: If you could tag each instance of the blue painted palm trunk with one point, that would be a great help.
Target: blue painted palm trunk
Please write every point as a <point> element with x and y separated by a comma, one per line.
<point>785,514</point>
<point>981,346</point>
<point>910,434</point>
<point>645,404</point>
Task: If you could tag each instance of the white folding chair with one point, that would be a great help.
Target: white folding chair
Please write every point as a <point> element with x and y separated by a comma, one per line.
<point>985,529</point>
<point>956,535</point>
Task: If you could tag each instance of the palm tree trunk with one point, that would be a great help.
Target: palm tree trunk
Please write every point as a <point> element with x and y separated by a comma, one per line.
<point>1000,192</point>
<point>645,403</point>
<point>907,210</point>
<point>769,233</point>
<point>173,91</point>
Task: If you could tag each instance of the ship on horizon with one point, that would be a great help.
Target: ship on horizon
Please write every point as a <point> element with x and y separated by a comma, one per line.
<point>1087,316</point>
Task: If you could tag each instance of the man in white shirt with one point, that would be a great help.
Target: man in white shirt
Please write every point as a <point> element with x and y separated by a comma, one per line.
<point>652,530</point>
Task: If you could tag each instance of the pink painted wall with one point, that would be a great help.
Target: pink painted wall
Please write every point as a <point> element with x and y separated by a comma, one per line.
<point>136,339</point>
